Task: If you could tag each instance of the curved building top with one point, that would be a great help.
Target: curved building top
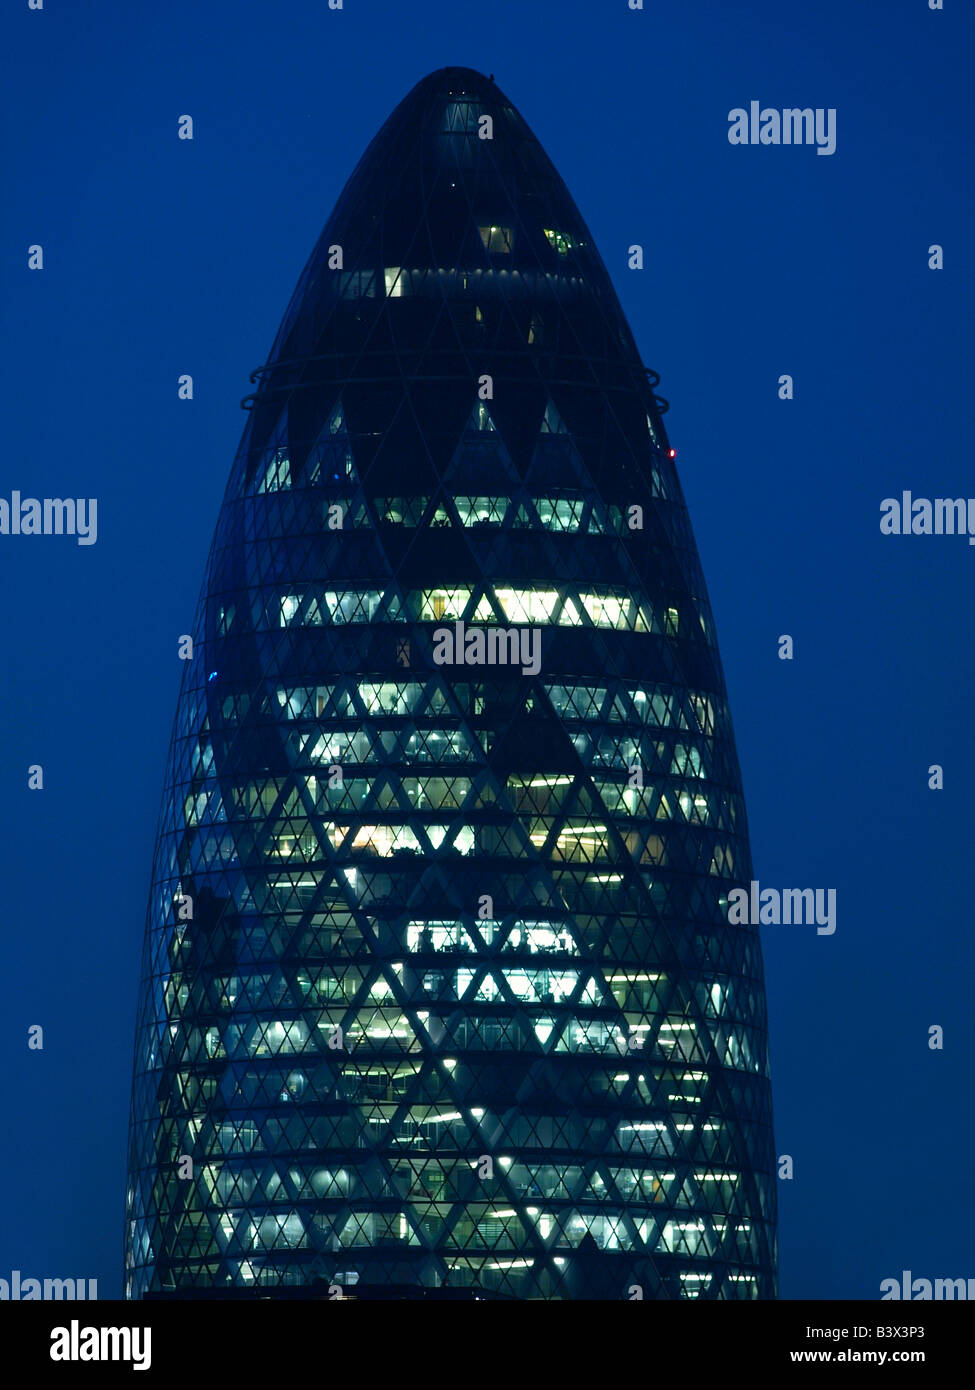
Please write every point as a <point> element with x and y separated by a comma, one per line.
<point>456,243</point>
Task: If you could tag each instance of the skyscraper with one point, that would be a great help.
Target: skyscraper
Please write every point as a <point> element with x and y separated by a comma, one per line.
<point>439,993</point>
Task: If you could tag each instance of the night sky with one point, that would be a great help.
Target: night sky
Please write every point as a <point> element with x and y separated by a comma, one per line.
<point>164,256</point>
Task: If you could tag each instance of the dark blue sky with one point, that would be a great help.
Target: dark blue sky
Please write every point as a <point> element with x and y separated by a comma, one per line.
<point>164,256</point>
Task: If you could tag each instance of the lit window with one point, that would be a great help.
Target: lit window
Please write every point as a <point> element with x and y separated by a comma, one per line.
<point>559,241</point>
<point>276,1037</point>
<point>552,422</point>
<point>389,697</point>
<point>481,417</point>
<point>384,840</point>
<point>343,606</point>
<point>528,605</point>
<point>560,514</point>
<point>443,603</point>
<point>278,1232</point>
<point>277,475</point>
<point>481,511</point>
<point>616,611</point>
<point>497,239</point>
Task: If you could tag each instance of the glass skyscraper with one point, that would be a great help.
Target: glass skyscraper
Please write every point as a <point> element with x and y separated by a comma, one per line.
<point>439,995</point>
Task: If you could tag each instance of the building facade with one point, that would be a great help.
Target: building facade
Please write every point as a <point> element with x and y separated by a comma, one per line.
<point>439,995</point>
